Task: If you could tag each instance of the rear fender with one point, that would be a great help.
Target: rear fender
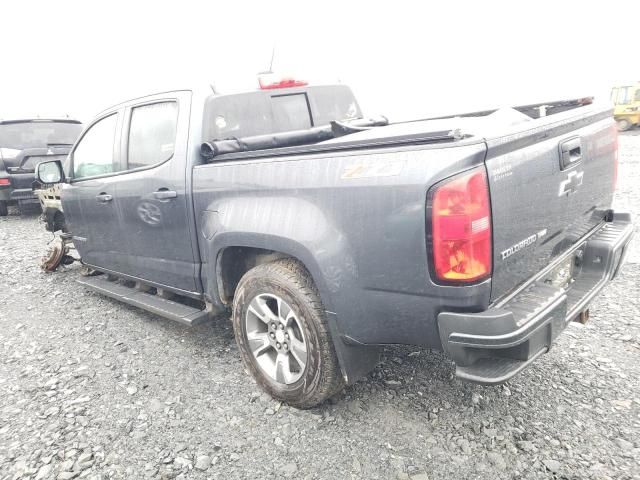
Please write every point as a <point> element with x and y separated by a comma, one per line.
<point>296,228</point>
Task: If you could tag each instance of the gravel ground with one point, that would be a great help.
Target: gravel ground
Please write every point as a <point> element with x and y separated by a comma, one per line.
<point>90,388</point>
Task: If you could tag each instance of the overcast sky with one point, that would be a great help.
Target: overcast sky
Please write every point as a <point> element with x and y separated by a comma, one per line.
<point>402,59</point>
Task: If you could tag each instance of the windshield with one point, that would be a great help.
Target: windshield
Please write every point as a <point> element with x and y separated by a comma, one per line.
<point>38,134</point>
<point>621,95</point>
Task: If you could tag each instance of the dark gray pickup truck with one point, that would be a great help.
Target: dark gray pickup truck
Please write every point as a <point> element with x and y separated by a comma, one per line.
<point>330,235</point>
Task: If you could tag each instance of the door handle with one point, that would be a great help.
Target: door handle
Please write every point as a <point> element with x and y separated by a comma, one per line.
<point>104,197</point>
<point>164,194</point>
<point>570,153</point>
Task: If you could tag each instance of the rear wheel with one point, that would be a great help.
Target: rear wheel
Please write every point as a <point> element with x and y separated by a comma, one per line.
<point>623,124</point>
<point>281,329</point>
<point>4,209</point>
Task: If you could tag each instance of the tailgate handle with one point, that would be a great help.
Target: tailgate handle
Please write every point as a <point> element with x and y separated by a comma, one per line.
<point>570,153</point>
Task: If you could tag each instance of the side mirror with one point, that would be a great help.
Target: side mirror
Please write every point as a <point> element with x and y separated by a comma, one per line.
<point>50,172</point>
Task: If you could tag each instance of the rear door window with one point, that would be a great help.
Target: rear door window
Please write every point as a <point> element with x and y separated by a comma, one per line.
<point>152,134</point>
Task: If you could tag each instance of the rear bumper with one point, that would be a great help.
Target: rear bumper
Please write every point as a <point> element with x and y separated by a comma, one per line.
<point>19,189</point>
<point>23,195</point>
<point>5,193</point>
<point>492,346</point>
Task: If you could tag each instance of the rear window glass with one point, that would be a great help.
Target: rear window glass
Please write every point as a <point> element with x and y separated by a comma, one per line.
<point>334,103</point>
<point>237,116</point>
<point>291,112</point>
<point>38,134</point>
<point>266,112</point>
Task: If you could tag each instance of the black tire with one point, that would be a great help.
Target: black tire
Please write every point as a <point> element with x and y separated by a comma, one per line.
<point>4,209</point>
<point>291,282</point>
<point>623,124</point>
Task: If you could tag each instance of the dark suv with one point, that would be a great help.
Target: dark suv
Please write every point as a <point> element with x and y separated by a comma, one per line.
<point>23,144</point>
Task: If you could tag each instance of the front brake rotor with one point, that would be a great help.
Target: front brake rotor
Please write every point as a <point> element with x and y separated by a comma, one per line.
<point>56,255</point>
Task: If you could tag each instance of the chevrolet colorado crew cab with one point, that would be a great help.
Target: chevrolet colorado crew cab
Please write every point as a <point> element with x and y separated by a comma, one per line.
<point>24,143</point>
<point>330,234</point>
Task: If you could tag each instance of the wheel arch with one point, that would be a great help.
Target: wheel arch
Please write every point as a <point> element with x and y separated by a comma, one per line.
<point>355,360</point>
<point>235,261</point>
<point>238,253</point>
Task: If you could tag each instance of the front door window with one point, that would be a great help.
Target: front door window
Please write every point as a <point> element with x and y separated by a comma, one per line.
<point>94,153</point>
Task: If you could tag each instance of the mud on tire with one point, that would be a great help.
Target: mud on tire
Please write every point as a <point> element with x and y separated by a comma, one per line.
<point>289,281</point>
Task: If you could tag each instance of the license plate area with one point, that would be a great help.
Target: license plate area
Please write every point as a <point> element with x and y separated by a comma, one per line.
<point>567,271</point>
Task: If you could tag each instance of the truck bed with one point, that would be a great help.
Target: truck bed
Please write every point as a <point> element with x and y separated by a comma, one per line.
<point>341,203</point>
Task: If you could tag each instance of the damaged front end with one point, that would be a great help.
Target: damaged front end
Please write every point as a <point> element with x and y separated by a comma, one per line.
<point>59,251</point>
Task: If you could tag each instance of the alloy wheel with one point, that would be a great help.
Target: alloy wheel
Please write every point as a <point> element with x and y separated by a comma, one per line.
<point>276,339</point>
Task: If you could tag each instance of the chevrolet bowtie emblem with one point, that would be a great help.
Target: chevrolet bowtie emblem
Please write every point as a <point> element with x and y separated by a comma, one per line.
<point>571,184</point>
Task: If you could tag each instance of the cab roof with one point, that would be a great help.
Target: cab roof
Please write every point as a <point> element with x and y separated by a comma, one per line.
<point>7,121</point>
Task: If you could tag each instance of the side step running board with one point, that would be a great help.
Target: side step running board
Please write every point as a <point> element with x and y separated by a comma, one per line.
<point>184,314</point>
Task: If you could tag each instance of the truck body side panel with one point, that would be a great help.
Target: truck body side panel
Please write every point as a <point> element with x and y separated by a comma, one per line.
<point>357,222</point>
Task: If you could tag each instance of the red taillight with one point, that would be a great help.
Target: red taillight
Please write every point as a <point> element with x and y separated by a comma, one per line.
<point>4,181</point>
<point>615,159</point>
<point>461,228</point>
<point>269,84</point>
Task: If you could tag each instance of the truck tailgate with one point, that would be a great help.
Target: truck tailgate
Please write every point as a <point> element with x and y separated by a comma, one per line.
<point>551,182</point>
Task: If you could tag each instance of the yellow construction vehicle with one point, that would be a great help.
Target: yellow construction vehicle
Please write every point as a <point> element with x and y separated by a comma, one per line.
<point>627,105</point>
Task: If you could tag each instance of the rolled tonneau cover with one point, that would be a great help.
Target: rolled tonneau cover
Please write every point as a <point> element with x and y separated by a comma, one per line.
<point>214,148</point>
